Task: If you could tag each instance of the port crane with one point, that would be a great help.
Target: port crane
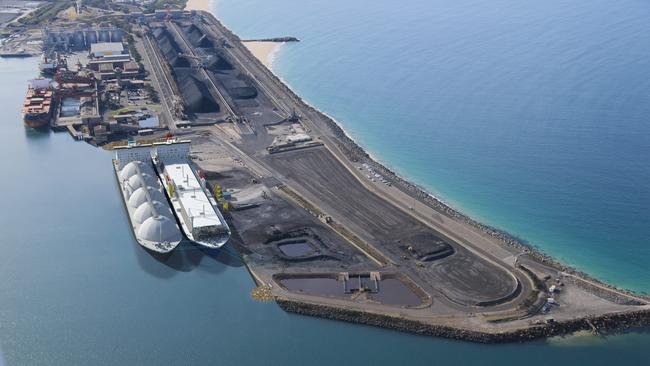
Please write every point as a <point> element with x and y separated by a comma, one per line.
<point>202,61</point>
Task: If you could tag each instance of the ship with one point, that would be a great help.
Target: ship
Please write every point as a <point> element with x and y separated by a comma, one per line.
<point>153,223</point>
<point>37,107</point>
<point>48,66</point>
<point>195,207</point>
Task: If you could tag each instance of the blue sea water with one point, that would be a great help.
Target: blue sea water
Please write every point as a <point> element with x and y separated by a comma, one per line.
<point>531,116</point>
<point>75,288</point>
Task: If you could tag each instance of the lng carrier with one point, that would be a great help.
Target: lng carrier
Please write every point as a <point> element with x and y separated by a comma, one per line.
<point>158,213</point>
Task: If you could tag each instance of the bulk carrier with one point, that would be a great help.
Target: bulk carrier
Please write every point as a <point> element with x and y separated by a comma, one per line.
<point>37,107</point>
<point>193,204</point>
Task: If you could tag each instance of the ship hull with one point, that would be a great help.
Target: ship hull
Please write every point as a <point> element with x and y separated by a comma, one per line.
<point>36,121</point>
<point>214,243</point>
<point>157,251</point>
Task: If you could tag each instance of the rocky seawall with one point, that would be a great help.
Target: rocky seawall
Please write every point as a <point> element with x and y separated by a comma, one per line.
<point>601,324</point>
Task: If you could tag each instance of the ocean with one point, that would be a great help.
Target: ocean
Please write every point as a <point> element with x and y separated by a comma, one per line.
<point>76,289</point>
<point>530,116</point>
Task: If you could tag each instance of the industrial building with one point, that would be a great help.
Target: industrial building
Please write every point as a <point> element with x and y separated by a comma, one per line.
<point>78,38</point>
<point>106,49</point>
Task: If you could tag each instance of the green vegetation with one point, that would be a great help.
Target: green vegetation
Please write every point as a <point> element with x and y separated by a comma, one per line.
<point>112,104</point>
<point>132,50</point>
<point>46,13</point>
<point>151,92</point>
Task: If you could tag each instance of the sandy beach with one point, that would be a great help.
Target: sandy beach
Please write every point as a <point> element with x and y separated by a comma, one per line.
<point>206,5</point>
<point>264,51</point>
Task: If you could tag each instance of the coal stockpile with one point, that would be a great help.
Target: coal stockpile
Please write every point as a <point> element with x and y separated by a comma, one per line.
<point>245,92</point>
<point>238,87</point>
<point>170,49</point>
<point>218,63</point>
<point>196,94</point>
<point>196,37</point>
<point>241,91</point>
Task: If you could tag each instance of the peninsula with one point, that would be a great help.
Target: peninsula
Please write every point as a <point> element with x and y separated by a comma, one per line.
<point>323,228</point>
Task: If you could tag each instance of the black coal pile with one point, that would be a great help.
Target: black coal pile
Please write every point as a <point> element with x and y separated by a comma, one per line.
<point>218,63</point>
<point>194,91</point>
<point>197,38</point>
<point>196,94</point>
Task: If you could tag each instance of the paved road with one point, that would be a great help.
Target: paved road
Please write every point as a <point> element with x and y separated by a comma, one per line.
<point>159,78</point>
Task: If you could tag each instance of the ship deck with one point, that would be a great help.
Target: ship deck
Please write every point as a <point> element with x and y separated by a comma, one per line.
<point>193,206</point>
<point>192,197</point>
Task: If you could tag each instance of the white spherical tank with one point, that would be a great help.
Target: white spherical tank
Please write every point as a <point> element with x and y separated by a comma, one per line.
<point>159,229</point>
<point>143,180</point>
<point>146,211</point>
<point>139,196</point>
<point>130,169</point>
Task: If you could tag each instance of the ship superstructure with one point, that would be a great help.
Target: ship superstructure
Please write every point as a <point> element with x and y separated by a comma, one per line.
<point>37,107</point>
<point>48,65</point>
<point>194,205</point>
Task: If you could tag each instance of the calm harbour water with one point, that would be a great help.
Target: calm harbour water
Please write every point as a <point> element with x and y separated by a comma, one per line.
<point>77,290</point>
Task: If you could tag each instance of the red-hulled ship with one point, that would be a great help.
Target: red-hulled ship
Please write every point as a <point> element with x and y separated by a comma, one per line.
<point>37,109</point>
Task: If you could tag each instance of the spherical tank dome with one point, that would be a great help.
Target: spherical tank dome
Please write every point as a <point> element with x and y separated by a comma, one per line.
<point>146,211</point>
<point>136,181</point>
<point>159,228</point>
<point>139,196</point>
<point>130,169</point>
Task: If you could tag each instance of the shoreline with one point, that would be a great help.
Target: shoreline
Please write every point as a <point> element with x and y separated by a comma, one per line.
<point>356,153</point>
<point>600,325</point>
<point>204,5</point>
<point>264,51</point>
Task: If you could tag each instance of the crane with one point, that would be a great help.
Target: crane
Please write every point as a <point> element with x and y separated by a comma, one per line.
<point>201,60</point>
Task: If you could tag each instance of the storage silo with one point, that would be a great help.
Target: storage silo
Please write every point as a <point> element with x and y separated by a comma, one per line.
<point>104,36</point>
<point>91,37</point>
<point>79,41</point>
<point>116,35</point>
